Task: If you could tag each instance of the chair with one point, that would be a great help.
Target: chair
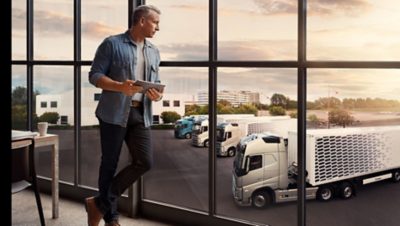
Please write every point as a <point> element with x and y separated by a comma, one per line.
<point>24,172</point>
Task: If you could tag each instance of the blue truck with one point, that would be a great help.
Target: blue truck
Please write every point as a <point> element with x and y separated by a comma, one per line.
<point>183,127</point>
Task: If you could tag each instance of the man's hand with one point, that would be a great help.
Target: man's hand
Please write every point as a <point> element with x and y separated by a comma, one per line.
<point>128,88</point>
<point>153,94</point>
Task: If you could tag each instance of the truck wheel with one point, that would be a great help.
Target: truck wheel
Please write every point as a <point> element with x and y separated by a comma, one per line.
<point>261,199</point>
<point>325,193</point>
<point>396,176</point>
<point>206,143</point>
<point>188,136</point>
<point>346,190</point>
<point>231,152</point>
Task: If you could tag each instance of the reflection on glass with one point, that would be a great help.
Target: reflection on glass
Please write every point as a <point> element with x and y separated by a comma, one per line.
<point>257,30</point>
<point>353,122</point>
<point>256,114</point>
<point>18,24</point>
<point>188,19</point>
<point>19,98</point>
<point>55,84</point>
<point>90,155</point>
<point>356,30</point>
<point>180,161</point>
<point>53,23</point>
<point>101,19</point>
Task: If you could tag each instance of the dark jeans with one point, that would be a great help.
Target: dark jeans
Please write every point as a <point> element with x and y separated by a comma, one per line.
<point>137,138</point>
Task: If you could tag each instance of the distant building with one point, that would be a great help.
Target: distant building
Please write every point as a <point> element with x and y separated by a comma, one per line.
<point>63,104</point>
<point>234,97</point>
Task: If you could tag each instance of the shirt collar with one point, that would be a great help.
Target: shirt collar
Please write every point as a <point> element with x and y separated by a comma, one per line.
<point>127,38</point>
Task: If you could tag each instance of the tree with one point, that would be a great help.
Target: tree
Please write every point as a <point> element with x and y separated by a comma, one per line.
<point>291,104</point>
<point>50,117</point>
<point>313,118</point>
<point>340,117</point>
<point>18,96</point>
<point>192,109</point>
<point>170,116</point>
<point>278,99</point>
<point>327,103</point>
<point>277,110</point>
<point>246,109</point>
<point>19,117</point>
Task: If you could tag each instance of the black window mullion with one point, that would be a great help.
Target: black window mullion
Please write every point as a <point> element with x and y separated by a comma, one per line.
<point>77,90</point>
<point>29,66</point>
<point>212,100</point>
<point>301,107</point>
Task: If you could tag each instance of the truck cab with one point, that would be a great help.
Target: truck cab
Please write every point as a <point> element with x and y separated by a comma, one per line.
<point>183,128</point>
<point>200,133</point>
<point>228,136</point>
<point>260,167</point>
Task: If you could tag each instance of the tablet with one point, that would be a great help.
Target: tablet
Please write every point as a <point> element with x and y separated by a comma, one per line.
<point>147,85</point>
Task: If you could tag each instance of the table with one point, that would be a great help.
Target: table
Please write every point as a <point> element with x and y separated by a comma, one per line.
<point>41,141</point>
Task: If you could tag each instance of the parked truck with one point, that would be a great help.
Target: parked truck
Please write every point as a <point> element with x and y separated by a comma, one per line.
<point>338,161</point>
<point>183,127</point>
<point>230,133</point>
<point>200,129</point>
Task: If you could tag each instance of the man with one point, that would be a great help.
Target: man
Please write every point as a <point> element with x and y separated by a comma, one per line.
<point>124,113</point>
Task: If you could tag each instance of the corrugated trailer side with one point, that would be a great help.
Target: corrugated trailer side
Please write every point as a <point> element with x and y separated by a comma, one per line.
<point>339,154</point>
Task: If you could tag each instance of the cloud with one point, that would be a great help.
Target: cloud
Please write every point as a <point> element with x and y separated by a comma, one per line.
<point>53,23</point>
<point>192,7</point>
<point>179,51</point>
<point>329,7</point>
<point>270,7</point>
<point>315,7</point>
<point>233,50</point>
<point>57,24</point>
<point>98,30</point>
<point>18,19</point>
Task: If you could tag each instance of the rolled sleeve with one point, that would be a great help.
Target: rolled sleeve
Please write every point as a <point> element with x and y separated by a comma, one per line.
<point>101,62</point>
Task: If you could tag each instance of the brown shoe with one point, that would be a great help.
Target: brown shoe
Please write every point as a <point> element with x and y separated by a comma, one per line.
<point>94,214</point>
<point>113,223</point>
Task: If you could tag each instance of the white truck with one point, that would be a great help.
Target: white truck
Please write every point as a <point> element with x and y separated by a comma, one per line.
<point>229,134</point>
<point>338,161</point>
<point>200,128</point>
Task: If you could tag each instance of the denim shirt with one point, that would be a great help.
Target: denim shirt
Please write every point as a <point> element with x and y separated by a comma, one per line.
<point>116,58</point>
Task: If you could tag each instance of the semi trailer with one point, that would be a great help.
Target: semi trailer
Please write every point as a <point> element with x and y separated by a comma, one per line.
<point>229,134</point>
<point>200,129</point>
<point>338,162</point>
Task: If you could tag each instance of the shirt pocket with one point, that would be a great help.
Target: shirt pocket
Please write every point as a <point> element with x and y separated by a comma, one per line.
<point>154,73</point>
<point>120,70</point>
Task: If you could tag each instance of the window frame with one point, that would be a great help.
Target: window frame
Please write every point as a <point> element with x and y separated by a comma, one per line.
<point>150,208</point>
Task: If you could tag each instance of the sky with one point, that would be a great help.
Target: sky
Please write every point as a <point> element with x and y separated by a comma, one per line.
<point>362,30</point>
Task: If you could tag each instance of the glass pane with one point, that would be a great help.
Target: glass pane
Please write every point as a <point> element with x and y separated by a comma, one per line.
<point>354,117</point>
<point>183,34</point>
<point>353,30</point>
<point>181,158</point>
<point>18,23</point>
<point>101,19</point>
<point>19,98</point>
<point>55,84</point>
<point>90,155</point>
<point>255,105</point>
<point>257,30</point>
<point>53,27</point>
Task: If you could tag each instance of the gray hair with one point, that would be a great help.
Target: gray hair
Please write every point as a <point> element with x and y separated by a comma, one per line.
<point>143,11</point>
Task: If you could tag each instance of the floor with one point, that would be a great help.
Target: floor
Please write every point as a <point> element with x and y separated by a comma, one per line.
<point>24,212</point>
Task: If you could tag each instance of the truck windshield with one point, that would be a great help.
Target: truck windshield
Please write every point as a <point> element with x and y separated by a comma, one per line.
<point>196,128</point>
<point>178,125</point>
<point>238,164</point>
<point>221,135</point>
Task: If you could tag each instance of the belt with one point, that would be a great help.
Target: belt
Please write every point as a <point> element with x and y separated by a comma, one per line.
<point>136,104</point>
